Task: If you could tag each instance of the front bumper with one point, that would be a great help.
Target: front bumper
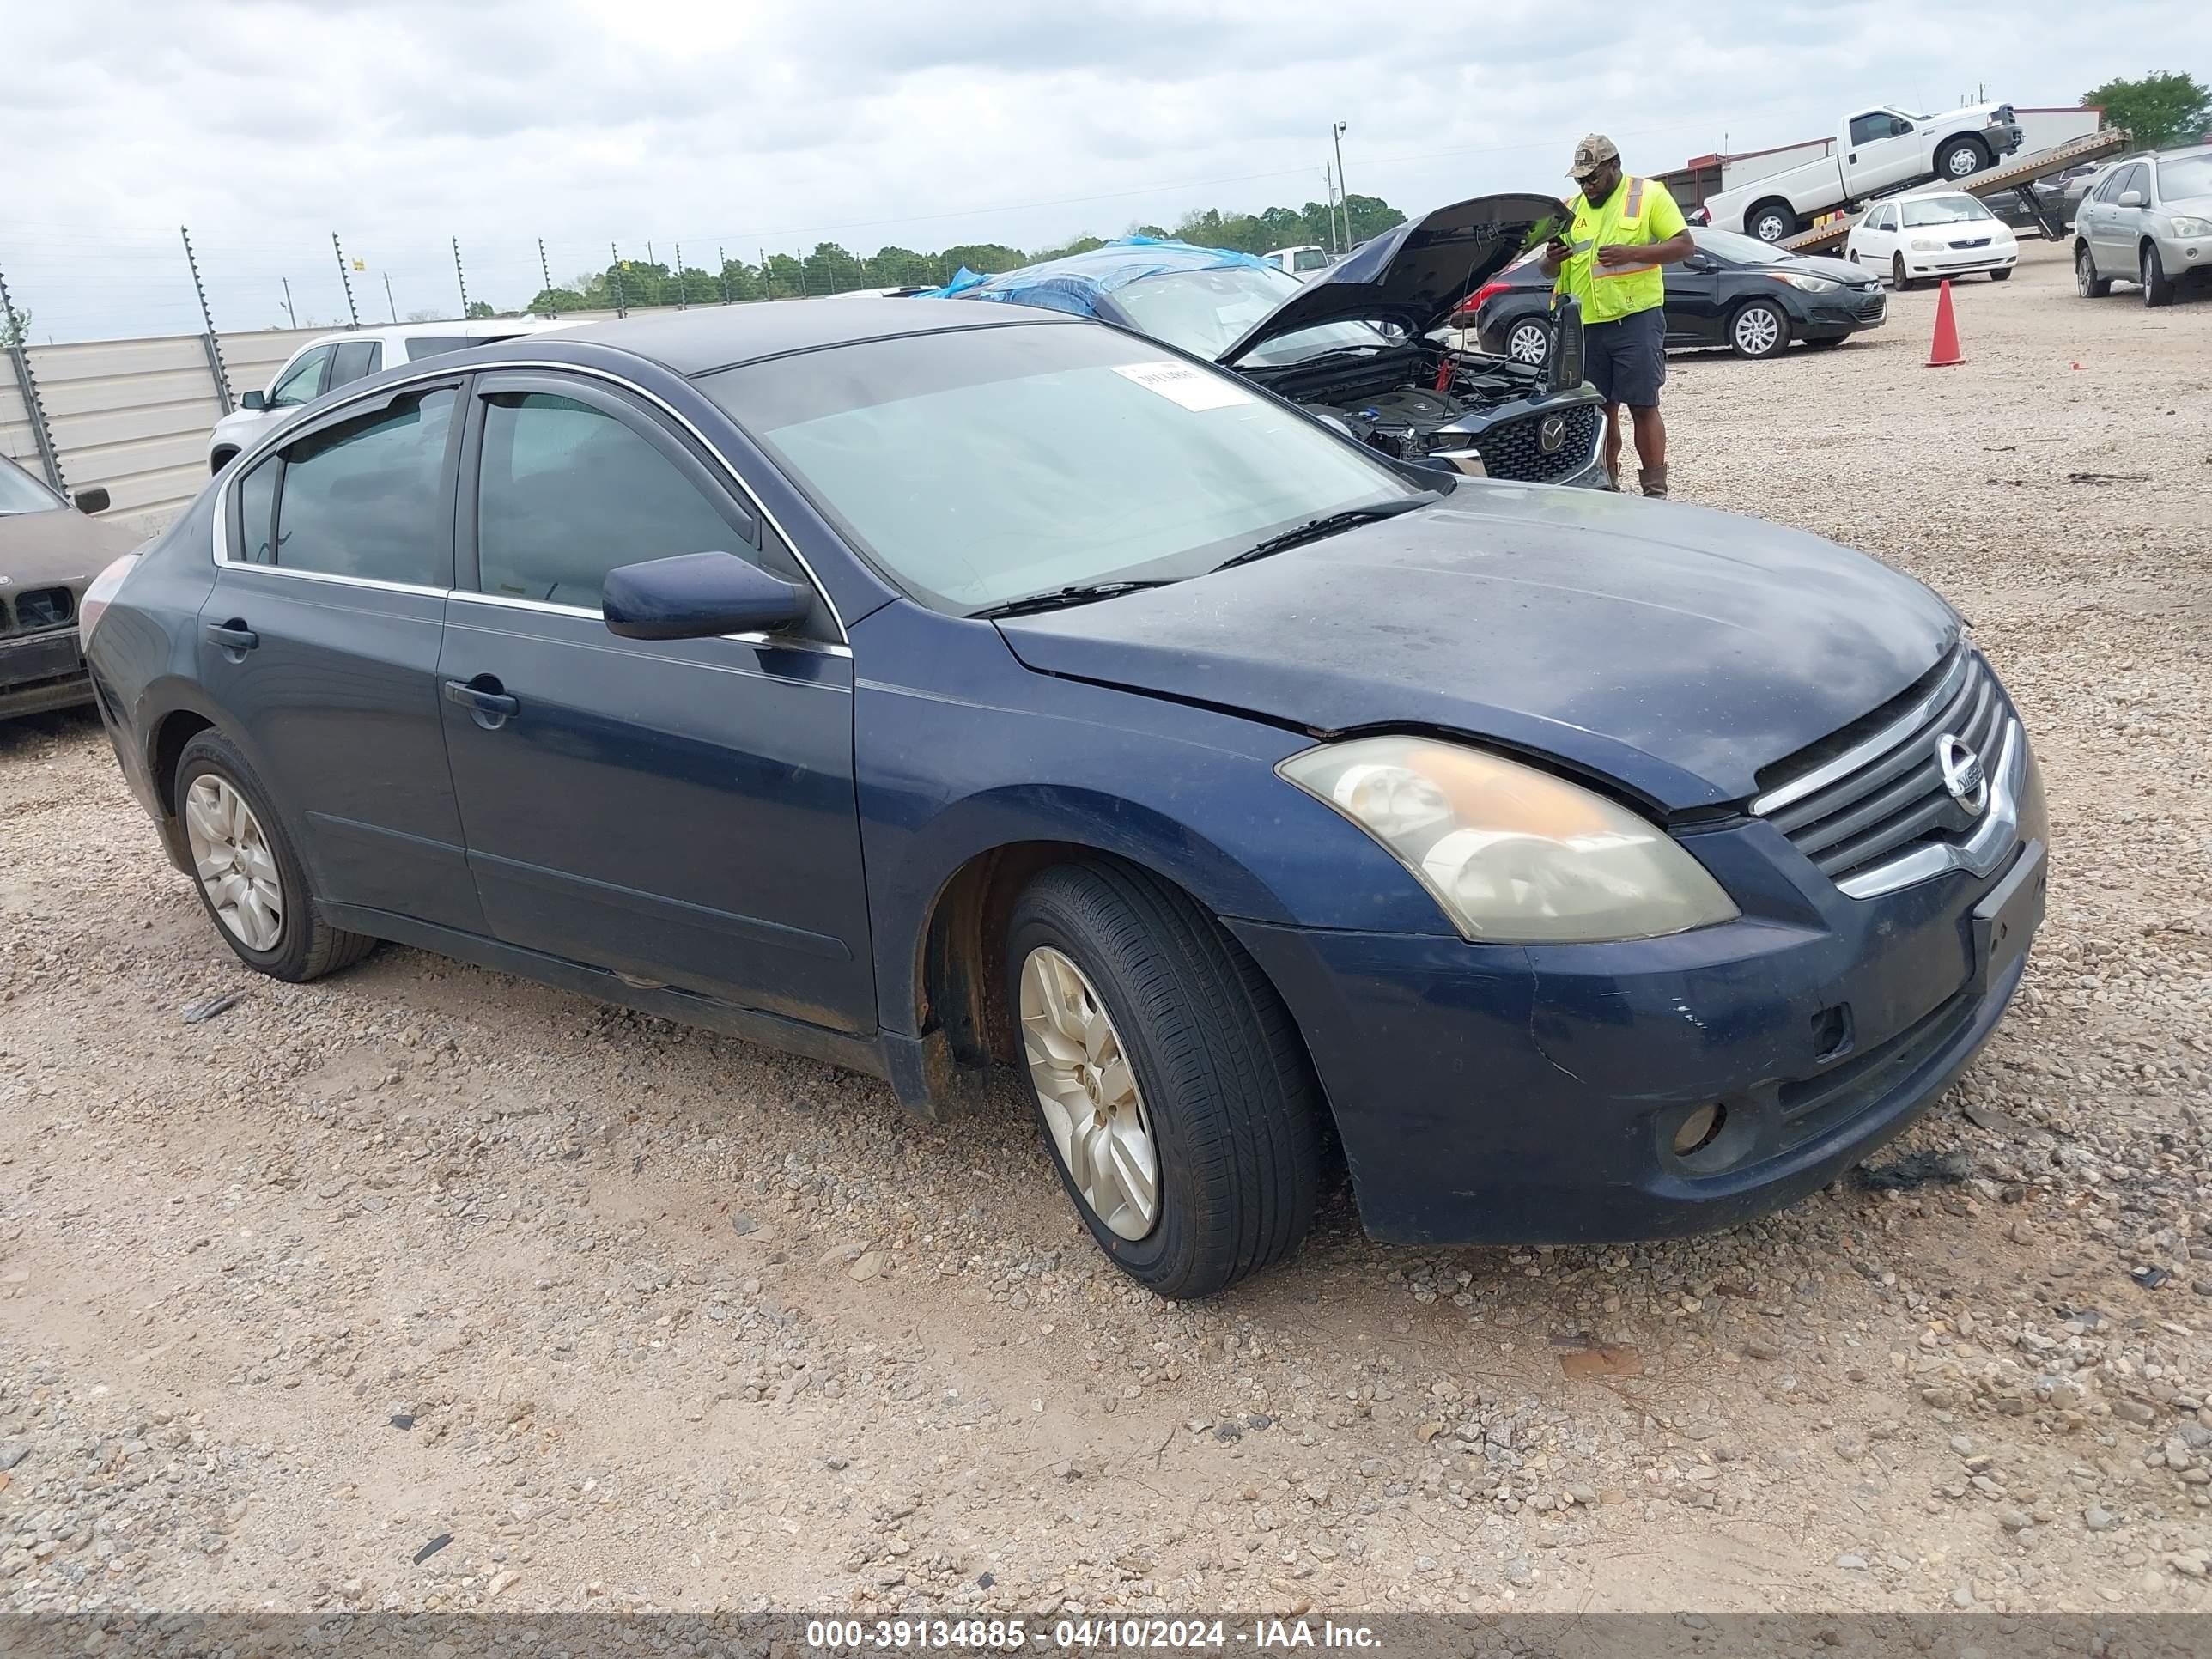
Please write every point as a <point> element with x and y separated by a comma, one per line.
<point>42,671</point>
<point>1506,1094</point>
<point>1961,264</point>
<point>1843,314</point>
<point>2184,256</point>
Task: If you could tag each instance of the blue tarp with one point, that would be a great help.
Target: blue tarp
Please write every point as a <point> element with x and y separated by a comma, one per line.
<point>1074,283</point>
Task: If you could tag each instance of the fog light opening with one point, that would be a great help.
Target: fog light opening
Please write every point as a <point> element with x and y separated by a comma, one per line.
<point>1699,1129</point>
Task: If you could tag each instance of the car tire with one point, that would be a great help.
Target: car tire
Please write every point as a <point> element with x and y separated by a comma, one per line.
<point>2003,276</point>
<point>1760,329</point>
<point>1771,221</point>
<point>1214,1086</point>
<point>2157,285</point>
<point>245,865</point>
<point>1962,158</point>
<point>1897,279</point>
<point>1826,342</point>
<point>1530,342</point>
<point>2086,282</point>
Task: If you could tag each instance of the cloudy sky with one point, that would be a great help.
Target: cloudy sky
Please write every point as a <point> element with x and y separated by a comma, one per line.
<point>749,125</point>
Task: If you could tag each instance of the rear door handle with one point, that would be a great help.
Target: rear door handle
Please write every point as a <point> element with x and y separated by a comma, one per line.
<point>233,636</point>
<point>487,704</point>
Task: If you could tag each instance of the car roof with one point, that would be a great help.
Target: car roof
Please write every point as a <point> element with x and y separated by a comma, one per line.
<point>486,328</point>
<point>707,337</point>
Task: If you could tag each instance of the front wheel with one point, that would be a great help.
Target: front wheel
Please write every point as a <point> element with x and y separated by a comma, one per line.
<point>2157,285</point>
<point>1759,329</point>
<point>1962,158</point>
<point>1897,279</point>
<point>2003,276</point>
<point>1174,1091</point>
<point>1529,341</point>
<point>2086,282</point>
<point>251,881</point>
<point>1826,342</point>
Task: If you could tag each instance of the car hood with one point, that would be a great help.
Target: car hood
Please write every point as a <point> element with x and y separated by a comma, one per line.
<point>1674,650</point>
<point>60,545</point>
<point>1413,274</point>
<point>2196,207</point>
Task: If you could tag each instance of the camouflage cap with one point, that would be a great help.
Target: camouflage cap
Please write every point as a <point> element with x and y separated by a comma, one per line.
<point>1593,153</point>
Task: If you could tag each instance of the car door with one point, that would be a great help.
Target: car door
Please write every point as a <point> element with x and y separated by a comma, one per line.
<point>2109,227</point>
<point>679,811</point>
<point>1876,239</point>
<point>1693,309</point>
<point>319,641</point>
<point>1880,153</point>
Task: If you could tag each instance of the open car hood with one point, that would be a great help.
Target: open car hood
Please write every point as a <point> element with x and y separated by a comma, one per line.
<point>1413,274</point>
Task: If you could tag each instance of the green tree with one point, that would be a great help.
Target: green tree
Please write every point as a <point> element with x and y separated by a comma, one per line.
<point>2159,110</point>
<point>1370,215</point>
<point>16,328</point>
<point>480,308</point>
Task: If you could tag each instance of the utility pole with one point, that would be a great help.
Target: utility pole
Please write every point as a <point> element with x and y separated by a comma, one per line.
<point>1343,195</point>
<point>214,345</point>
<point>461,276</point>
<point>346,277</point>
<point>290,316</point>
<point>614,271</point>
<point>388,300</point>
<point>1329,194</point>
<point>722,266</point>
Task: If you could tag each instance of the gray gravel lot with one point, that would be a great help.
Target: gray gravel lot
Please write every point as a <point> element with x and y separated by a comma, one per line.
<point>643,1317</point>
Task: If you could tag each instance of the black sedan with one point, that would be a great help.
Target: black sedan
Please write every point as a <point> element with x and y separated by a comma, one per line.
<point>1734,292</point>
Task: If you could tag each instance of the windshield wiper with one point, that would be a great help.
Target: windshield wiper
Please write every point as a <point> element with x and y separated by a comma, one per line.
<point>1079,593</point>
<point>1313,529</point>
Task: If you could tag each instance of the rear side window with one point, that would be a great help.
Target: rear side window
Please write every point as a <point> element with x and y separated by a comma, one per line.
<point>362,498</point>
<point>257,513</point>
<point>567,493</point>
<point>354,359</point>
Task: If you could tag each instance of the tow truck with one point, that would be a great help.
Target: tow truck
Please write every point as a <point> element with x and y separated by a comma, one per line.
<point>2019,175</point>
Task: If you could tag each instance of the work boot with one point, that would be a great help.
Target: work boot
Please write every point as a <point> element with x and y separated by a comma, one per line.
<point>1654,480</point>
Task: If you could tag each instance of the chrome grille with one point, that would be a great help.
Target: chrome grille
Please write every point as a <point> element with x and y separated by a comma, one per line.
<point>1873,812</point>
<point>1514,449</point>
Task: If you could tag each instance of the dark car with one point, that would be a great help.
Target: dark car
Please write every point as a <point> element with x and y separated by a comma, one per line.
<point>1736,291</point>
<point>919,687</point>
<point>1352,342</point>
<point>49,554</point>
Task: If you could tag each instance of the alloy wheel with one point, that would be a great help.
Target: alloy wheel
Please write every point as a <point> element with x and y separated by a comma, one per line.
<point>232,859</point>
<point>1529,342</point>
<point>1088,1092</point>
<point>2082,274</point>
<point>1757,330</point>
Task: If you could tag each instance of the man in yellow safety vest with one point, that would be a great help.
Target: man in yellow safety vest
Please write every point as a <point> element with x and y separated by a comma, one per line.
<point>1624,230</point>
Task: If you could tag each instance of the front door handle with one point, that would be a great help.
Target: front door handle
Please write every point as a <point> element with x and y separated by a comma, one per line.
<point>486,700</point>
<point>234,636</point>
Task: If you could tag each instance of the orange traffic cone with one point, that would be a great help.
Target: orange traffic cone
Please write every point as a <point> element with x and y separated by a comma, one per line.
<point>1945,349</point>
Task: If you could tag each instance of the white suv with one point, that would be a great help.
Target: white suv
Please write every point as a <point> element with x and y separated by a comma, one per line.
<point>330,360</point>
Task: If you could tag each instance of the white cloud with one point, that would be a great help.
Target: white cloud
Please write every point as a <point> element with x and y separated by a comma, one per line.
<point>401,125</point>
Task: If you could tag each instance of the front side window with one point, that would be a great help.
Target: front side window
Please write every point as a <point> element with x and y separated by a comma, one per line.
<point>566,493</point>
<point>302,382</point>
<point>362,498</point>
<point>986,465</point>
<point>1206,311</point>
<point>1944,211</point>
<point>20,493</point>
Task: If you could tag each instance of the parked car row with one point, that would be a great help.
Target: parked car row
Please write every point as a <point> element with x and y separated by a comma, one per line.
<point>1105,703</point>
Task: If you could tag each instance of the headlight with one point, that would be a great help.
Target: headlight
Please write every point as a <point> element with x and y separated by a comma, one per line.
<point>1514,855</point>
<point>2184,225</point>
<point>1810,284</point>
<point>1922,245</point>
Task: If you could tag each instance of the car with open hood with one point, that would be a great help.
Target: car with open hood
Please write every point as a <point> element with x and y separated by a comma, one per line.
<point>929,688</point>
<point>50,550</point>
<point>1360,343</point>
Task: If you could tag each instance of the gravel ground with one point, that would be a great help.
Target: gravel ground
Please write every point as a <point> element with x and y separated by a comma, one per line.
<point>633,1317</point>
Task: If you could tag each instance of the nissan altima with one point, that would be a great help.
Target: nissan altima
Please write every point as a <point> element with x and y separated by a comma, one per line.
<point>924,688</point>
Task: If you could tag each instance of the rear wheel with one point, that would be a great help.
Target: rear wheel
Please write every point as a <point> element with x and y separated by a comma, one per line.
<point>250,879</point>
<point>2157,285</point>
<point>1529,341</point>
<point>1771,221</point>
<point>1962,158</point>
<point>2086,282</point>
<point>1761,329</point>
<point>1173,1089</point>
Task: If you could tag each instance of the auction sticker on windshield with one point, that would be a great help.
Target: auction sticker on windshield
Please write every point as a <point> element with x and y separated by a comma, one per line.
<point>1180,383</point>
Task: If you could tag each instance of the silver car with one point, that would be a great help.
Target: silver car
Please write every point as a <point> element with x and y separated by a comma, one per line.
<point>2149,221</point>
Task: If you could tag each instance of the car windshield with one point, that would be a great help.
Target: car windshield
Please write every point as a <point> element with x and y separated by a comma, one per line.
<point>2188,176</point>
<point>985,464</point>
<point>20,493</point>
<point>1738,250</point>
<point>1944,210</point>
<point>1206,311</point>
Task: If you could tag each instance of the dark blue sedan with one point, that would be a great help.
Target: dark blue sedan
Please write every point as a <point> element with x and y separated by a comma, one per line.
<point>923,687</point>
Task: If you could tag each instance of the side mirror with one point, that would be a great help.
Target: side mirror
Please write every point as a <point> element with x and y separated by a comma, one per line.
<point>253,402</point>
<point>92,499</point>
<point>2132,198</point>
<point>699,596</point>
<point>1698,262</point>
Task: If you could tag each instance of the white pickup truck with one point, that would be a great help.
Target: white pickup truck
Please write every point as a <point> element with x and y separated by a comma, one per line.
<point>1873,151</point>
